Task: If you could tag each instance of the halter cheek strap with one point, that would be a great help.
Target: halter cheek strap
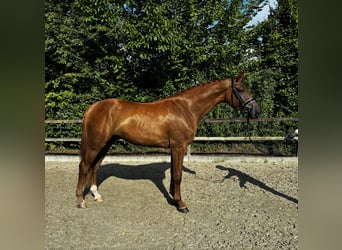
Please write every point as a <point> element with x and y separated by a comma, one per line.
<point>243,104</point>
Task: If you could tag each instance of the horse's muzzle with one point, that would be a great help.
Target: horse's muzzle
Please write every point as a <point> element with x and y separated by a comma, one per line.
<point>253,110</point>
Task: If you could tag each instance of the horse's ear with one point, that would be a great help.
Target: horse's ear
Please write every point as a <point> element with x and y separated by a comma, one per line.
<point>240,77</point>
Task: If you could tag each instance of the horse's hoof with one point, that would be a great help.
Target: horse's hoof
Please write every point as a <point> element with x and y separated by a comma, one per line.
<point>183,210</point>
<point>82,205</point>
<point>100,199</point>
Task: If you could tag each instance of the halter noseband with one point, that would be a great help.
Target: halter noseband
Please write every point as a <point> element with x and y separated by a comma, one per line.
<point>243,104</point>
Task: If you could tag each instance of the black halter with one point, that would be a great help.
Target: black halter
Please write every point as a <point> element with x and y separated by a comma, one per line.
<point>243,104</point>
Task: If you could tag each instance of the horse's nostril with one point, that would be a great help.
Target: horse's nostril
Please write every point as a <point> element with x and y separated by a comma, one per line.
<point>254,111</point>
<point>258,110</point>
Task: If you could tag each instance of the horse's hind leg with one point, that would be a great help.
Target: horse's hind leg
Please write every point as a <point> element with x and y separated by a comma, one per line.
<point>93,184</point>
<point>93,177</point>
<point>82,178</point>
<point>83,175</point>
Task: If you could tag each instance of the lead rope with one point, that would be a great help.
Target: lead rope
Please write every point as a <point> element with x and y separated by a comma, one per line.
<point>250,139</point>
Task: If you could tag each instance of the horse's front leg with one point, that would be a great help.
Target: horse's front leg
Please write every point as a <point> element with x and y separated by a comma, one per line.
<point>177,156</point>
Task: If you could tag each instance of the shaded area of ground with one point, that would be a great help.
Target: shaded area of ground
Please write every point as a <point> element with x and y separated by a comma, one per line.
<point>232,205</point>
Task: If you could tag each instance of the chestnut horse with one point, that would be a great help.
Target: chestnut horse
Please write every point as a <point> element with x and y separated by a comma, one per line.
<point>170,123</point>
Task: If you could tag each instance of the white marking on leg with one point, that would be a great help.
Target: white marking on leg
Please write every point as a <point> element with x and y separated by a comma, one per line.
<point>93,190</point>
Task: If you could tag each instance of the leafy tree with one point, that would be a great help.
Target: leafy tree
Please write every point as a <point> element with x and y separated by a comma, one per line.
<point>145,50</point>
<point>278,41</point>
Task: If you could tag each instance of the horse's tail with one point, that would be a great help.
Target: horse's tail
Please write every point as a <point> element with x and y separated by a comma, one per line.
<point>83,149</point>
<point>83,140</point>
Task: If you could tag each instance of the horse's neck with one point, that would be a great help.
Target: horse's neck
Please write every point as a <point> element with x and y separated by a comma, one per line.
<point>206,97</point>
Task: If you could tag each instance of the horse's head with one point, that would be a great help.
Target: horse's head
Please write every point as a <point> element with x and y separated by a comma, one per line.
<point>240,98</point>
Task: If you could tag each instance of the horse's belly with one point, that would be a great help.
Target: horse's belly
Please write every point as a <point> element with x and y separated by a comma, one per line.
<point>147,139</point>
<point>145,134</point>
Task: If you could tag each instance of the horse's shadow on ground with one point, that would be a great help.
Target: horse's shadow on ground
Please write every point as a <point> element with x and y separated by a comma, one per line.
<point>154,172</point>
<point>244,178</point>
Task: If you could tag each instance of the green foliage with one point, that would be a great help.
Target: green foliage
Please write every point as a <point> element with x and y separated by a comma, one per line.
<point>279,55</point>
<point>146,50</point>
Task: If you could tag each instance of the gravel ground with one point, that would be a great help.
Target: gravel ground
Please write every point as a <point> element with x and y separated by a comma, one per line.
<point>233,205</point>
